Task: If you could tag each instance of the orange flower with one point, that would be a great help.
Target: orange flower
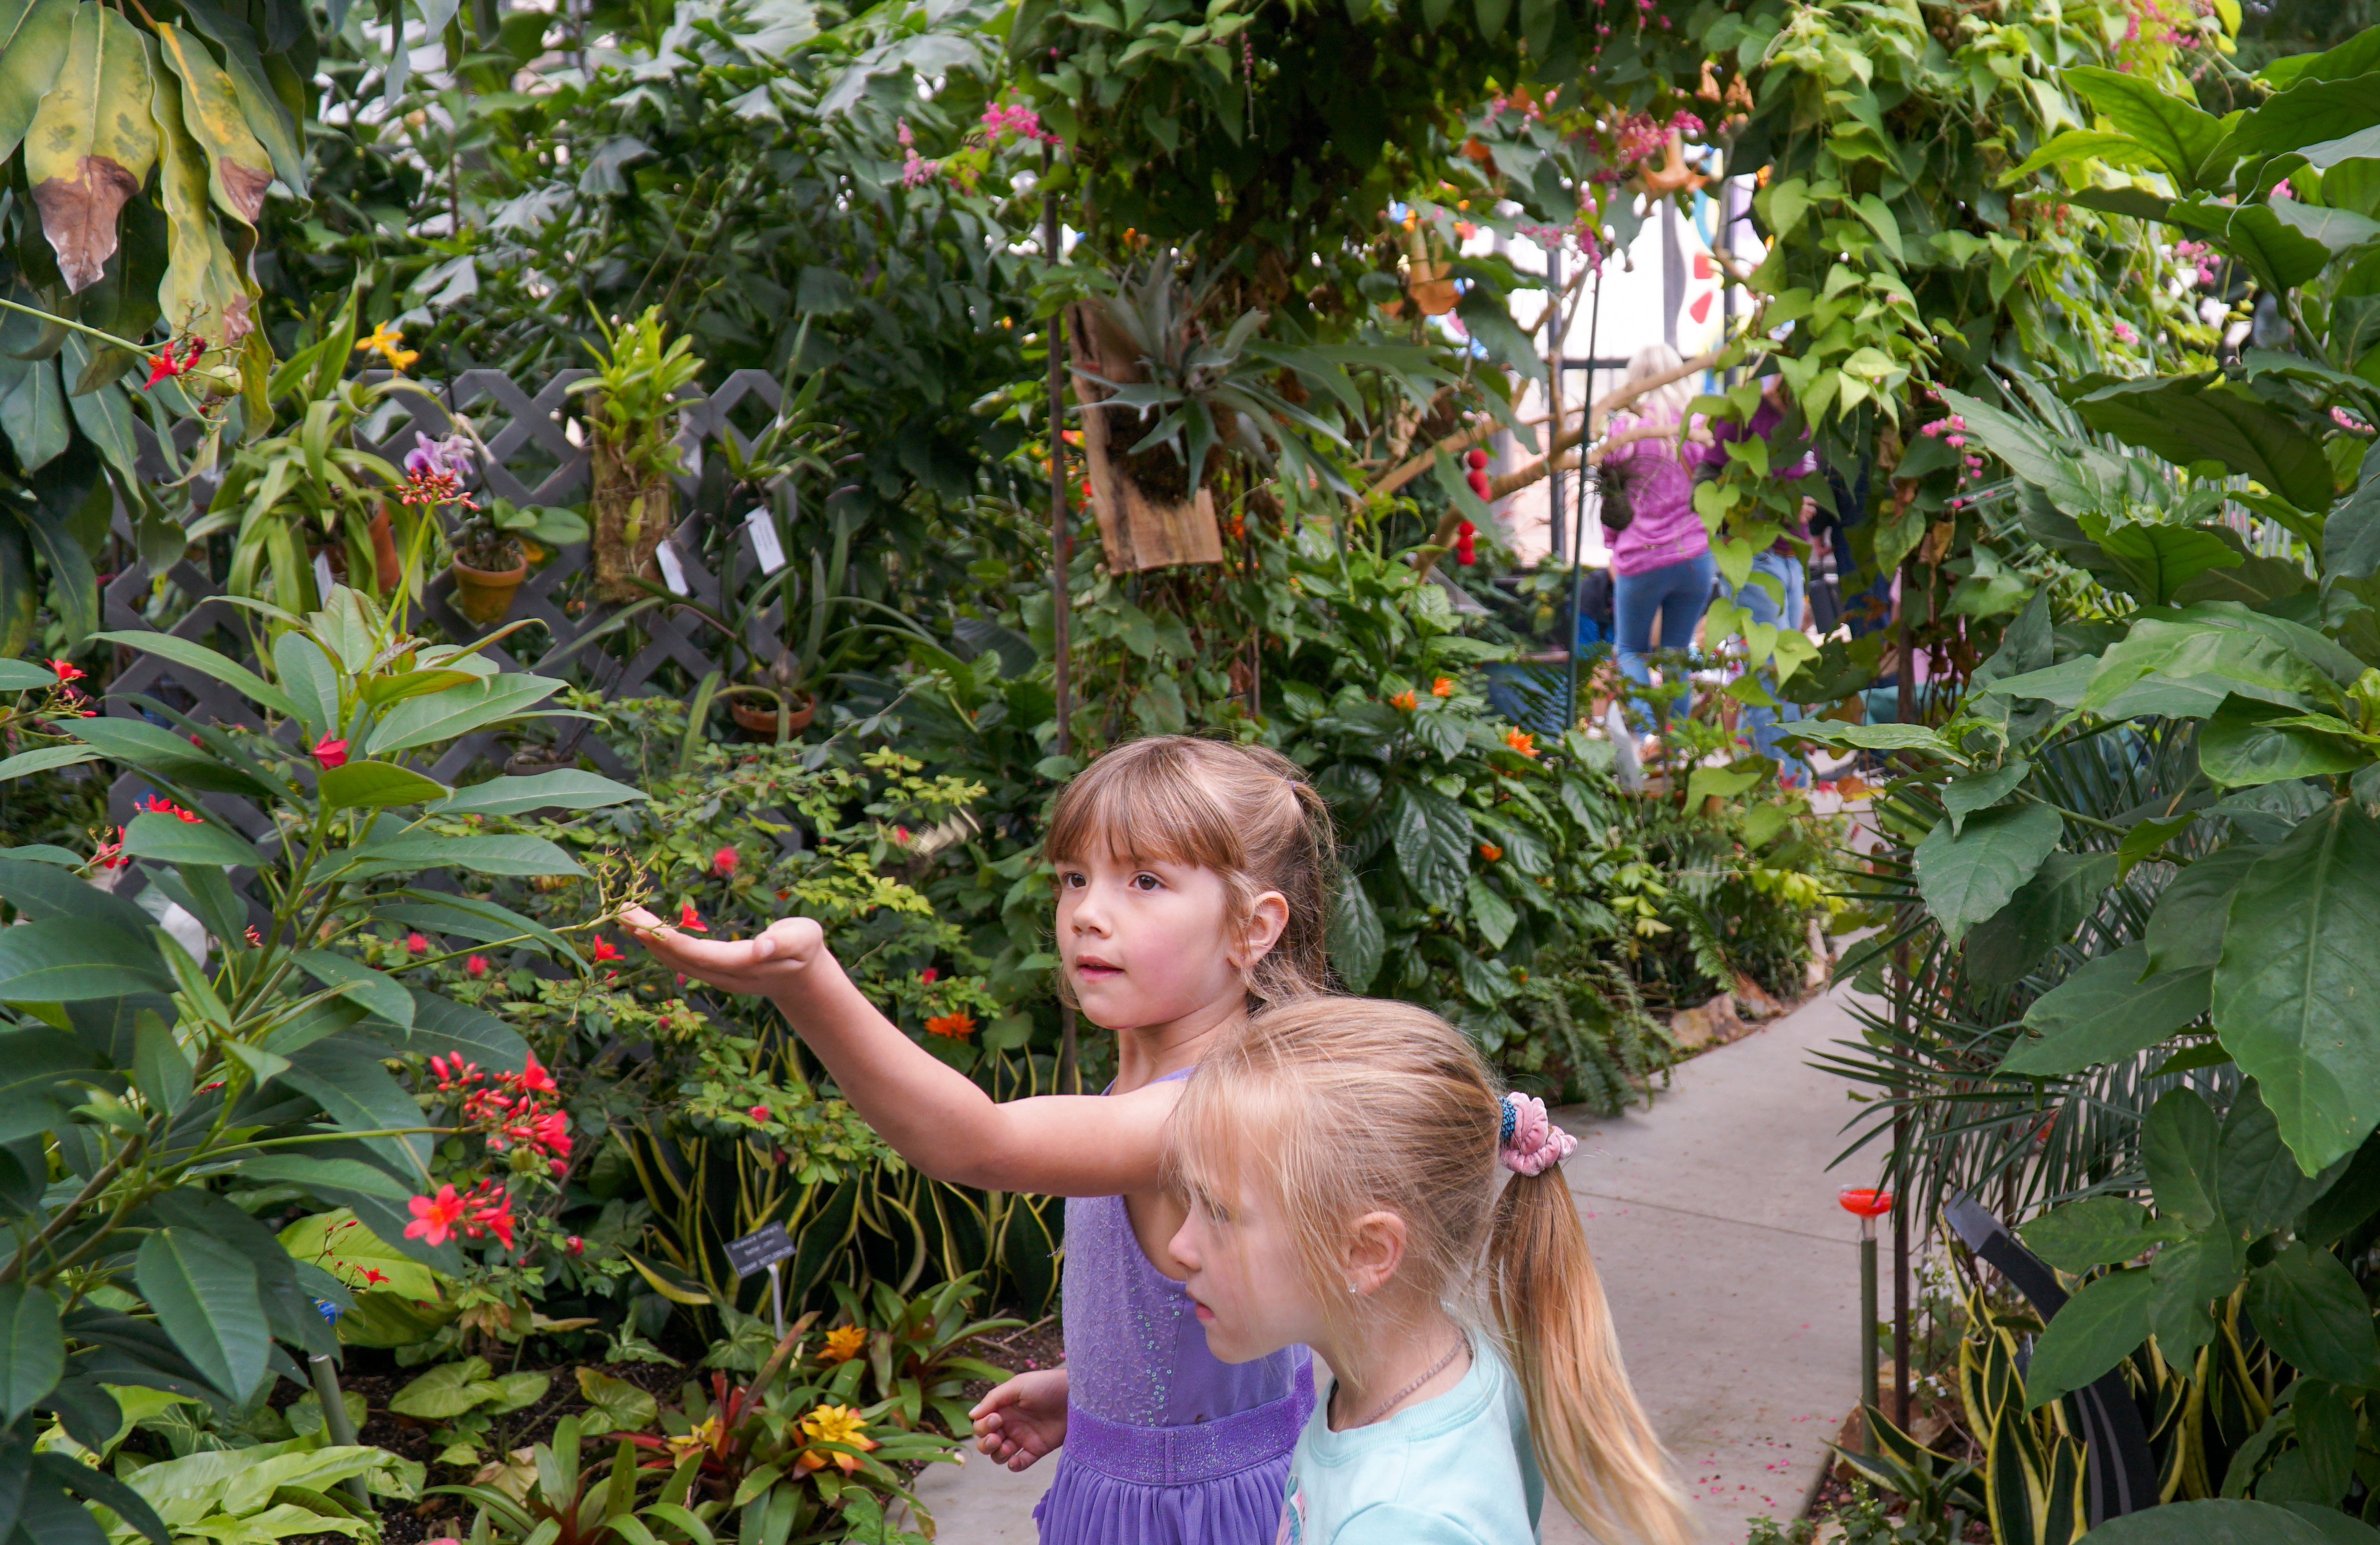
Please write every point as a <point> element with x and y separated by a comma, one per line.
<point>1404,702</point>
<point>1520,741</point>
<point>1490,852</point>
<point>842,1343</point>
<point>1442,687</point>
<point>833,1424</point>
<point>958,1026</point>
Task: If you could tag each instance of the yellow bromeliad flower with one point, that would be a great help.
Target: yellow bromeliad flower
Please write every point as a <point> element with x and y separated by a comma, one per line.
<point>842,1343</point>
<point>833,1424</point>
<point>385,340</point>
<point>702,1440</point>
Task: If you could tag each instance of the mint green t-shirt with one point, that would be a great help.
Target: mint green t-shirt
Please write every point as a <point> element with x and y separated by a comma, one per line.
<point>1456,1469</point>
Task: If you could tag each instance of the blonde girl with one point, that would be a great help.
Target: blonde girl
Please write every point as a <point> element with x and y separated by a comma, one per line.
<point>1342,1158</point>
<point>1193,883</point>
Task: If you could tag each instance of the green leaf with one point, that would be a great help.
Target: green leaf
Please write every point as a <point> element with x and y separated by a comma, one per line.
<point>1433,844</point>
<point>322,1175</point>
<point>2186,926</point>
<point>2351,534</point>
<point>409,851</point>
<point>2156,562</point>
<point>1966,876</point>
<point>376,785</point>
<point>2195,418</point>
<point>160,1069</point>
<point>2299,970</point>
<point>568,788</point>
<point>33,411</point>
<point>170,755</point>
<point>206,662</point>
<point>2098,1328</point>
<point>60,960</point>
<point>34,36</point>
<point>620,1405</point>
<point>1357,942</point>
<point>2180,134</point>
<point>2340,230</point>
<point>2310,112</point>
<point>205,1296</point>
<point>1874,738</point>
<point>2103,1013</point>
<point>349,1250</point>
<point>2258,1186</point>
<point>2309,1306</point>
<point>39,1074</point>
<point>33,1348</point>
<point>312,682</point>
<point>443,1025</point>
<point>1725,783</point>
<point>2097,1231</point>
<point>23,675</point>
<point>1491,912</point>
<point>2214,1521</point>
<point>2250,743</point>
<point>170,839</point>
<point>2043,913</point>
<point>458,710</point>
<point>2182,1152</point>
<point>377,992</point>
<point>2215,660</point>
<point>2281,256</point>
<point>482,921</point>
<point>47,759</point>
<point>447,1391</point>
<point>1963,796</point>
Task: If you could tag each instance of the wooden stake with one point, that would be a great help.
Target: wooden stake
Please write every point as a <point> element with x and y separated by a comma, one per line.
<point>1062,554</point>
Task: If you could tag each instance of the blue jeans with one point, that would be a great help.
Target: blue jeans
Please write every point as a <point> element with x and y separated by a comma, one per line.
<point>1676,593</point>
<point>1759,722</point>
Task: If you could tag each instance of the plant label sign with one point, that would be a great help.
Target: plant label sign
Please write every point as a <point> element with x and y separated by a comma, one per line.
<point>672,571</point>
<point>765,545</point>
<point>760,1250</point>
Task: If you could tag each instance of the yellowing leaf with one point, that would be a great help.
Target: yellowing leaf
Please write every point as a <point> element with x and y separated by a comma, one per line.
<point>238,169</point>
<point>34,37</point>
<point>355,1255</point>
<point>92,143</point>
<point>205,291</point>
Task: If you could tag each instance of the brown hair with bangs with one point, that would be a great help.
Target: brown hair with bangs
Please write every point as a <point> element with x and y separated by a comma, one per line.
<point>1336,1107</point>
<point>1246,813</point>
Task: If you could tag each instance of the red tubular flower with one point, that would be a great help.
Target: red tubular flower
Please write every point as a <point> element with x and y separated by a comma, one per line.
<point>68,671</point>
<point>535,1078</point>
<point>722,863</point>
<point>495,1215</point>
<point>435,1219</point>
<point>758,1112</point>
<point>606,950</point>
<point>551,1132</point>
<point>166,363</point>
<point>691,920</point>
<point>331,753</point>
<point>157,804</point>
<point>373,1276</point>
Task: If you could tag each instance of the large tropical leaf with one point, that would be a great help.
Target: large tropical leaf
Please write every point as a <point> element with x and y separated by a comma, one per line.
<point>33,39</point>
<point>205,1296</point>
<point>1968,874</point>
<point>2195,418</point>
<point>92,143</point>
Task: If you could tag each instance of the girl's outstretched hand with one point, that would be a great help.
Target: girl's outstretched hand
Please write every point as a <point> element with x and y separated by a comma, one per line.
<point>762,964</point>
<point>1023,1419</point>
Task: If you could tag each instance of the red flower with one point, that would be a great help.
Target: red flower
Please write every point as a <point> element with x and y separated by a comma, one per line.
<point>157,804</point>
<point>331,753</point>
<point>164,364</point>
<point>722,863</point>
<point>606,950</point>
<point>373,1276</point>
<point>453,1070</point>
<point>68,671</point>
<point>690,920</point>
<point>957,1027</point>
<point>476,966</point>
<point>927,975</point>
<point>575,1245</point>
<point>415,945</point>
<point>110,856</point>
<point>492,1212</point>
<point>435,1218</point>
<point>551,1133</point>
<point>758,1112</point>
<point>255,938</point>
<point>534,1078</point>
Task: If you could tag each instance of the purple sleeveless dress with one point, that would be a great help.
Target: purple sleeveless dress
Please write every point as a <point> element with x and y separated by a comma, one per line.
<point>1165,1445</point>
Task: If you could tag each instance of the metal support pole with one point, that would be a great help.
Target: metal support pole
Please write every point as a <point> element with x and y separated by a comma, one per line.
<point>335,1420</point>
<point>1578,540</point>
<point>1061,556</point>
<point>1554,391</point>
<point>777,1297</point>
<point>1905,706</point>
<point>1867,1315</point>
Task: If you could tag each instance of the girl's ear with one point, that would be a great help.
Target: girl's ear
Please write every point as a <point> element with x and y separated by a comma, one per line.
<point>1268,918</point>
<point>1375,1248</point>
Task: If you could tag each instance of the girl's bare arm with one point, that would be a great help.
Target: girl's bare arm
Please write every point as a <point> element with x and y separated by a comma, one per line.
<point>933,1115</point>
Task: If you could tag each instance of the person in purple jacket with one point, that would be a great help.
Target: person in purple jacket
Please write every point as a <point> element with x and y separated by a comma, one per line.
<point>1783,563</point>
<point>1662,566</point>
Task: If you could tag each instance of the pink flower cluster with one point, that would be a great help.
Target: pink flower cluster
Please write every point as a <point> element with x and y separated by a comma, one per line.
<point>1952,430</point>
<point>2200,254</point>
<point>486,1208</point>
<point>518,1108</point>
<point>2124,332</point>
<point>2346,420</point>
<point>1017,119</point>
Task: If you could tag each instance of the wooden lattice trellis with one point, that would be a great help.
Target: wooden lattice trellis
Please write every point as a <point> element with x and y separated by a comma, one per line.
<point>530,461</point>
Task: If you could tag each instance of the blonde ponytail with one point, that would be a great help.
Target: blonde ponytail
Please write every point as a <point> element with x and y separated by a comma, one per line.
<point>1343,1106</point>
<point>1598,1450</point>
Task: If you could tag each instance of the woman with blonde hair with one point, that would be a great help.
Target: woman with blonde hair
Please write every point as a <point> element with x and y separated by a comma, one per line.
<point>1356,1184</point>
<point>1661,563</point>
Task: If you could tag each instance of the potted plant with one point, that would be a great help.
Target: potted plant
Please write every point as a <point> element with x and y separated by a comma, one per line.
<point>491,552</point>
<point>632,452</point>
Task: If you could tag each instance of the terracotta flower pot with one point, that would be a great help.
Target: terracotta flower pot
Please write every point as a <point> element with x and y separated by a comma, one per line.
<point>387,566</point>
<point>761,718</point>
<point>484,595</point>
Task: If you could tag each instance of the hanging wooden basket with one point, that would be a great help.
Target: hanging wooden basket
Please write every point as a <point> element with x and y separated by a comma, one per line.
<point>1137,530</point>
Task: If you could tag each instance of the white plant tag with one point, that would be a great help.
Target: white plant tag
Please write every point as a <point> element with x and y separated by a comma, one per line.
<point>323,580</point>
<point>764,540</point>
<point>672,572</point>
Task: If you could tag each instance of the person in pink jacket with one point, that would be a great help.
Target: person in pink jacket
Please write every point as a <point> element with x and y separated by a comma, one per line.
<point>1662,565</point>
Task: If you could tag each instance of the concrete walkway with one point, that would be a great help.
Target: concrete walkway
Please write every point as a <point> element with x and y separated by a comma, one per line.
<point>1733,1274</point>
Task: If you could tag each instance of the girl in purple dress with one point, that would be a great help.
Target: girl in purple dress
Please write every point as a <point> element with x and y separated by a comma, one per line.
<point>1192,886</point>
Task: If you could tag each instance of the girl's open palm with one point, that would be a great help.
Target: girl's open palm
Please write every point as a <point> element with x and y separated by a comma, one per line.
<point>750,966</point>
<point>1023,1419</point>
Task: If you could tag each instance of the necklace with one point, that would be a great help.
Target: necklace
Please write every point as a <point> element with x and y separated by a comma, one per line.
<point>1433,1371</point>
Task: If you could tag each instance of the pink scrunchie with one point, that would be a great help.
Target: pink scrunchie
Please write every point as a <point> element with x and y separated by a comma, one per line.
<point>1537,1144</point>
